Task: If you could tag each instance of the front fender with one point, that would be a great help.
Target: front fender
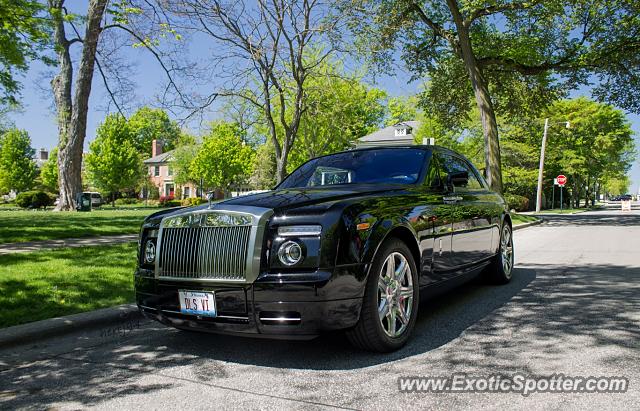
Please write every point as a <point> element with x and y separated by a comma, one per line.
<point>384,229</point>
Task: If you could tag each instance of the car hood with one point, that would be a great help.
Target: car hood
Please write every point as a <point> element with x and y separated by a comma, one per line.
<point>282,200</point>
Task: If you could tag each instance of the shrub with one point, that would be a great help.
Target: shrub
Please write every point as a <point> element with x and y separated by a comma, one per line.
<point>23,199</point>
<point>516,202</point>
<point>194,201</point>
<point>124,201</point>
<point>163,200</point>
<point>173,203</point>
<point>34,199</point>
<point>154,193</point>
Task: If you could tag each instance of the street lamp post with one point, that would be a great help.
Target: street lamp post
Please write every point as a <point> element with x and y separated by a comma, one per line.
<point>543,147</point>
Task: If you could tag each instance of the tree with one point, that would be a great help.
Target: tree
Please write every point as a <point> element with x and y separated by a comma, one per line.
<point>72,111</point>
<point>264,168</point>
<point>340,109</point>
<point>148,124</point>
<point>223,160</point>
<point>537,44</point>
<point>402,109</point>
<point>259,50</point>
<point>17,168</point>
<point>23,36</point>
<point>72,107</point>
<point>113,163</point>
<point>49,172</point>
<point>598,145</point>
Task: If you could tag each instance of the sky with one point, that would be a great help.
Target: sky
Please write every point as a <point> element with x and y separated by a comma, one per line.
<point>38,118</point>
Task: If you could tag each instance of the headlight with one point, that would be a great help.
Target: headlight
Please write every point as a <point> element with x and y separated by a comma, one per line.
<point>299,230</point>
<point>150,252</point>
<point>290,253</point>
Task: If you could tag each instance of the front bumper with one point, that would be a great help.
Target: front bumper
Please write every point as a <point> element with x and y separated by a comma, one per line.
<point>293,306</point>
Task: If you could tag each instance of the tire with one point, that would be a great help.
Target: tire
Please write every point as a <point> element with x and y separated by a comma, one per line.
<point>396,295</point>
<point>501,268</point>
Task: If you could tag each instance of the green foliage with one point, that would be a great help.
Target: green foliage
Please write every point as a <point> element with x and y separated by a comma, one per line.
<point>126,201</point>
<point>148,124</point>
<point>401,109</point>
<point>617,185</point>
<point>223,160</point>
<point>530,53</point>
<point>23,36</point>
<point>34,199</point>
<point>17,168</point>
<point>193,201</point>
<point>49,172</point>
<point>113,162</point>
<point>181,163</point>
<point>340,108</point>
<point>517,202</point>
<point>264,167</point>
<point>598,146</point>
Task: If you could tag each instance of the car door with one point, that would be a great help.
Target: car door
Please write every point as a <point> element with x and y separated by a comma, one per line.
<point>473,217</point>
<point>434,225</point>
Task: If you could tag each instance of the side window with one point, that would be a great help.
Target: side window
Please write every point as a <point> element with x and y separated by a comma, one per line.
<point>453,164</point>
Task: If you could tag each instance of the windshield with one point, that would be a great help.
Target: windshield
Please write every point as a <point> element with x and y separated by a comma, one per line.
<point>395,166</point>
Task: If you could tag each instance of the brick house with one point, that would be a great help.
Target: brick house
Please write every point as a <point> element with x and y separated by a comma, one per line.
<point>161,174</point>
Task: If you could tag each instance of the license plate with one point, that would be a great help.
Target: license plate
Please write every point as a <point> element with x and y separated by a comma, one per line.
<point>197,303</point>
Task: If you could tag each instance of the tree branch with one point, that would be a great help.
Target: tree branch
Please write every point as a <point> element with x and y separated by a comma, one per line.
<point>489,10</point>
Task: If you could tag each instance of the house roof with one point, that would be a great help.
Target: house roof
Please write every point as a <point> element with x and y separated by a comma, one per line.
<point>387,135</point>
<point>160,158</point>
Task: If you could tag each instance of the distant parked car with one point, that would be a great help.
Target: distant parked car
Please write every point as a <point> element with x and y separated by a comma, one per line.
<point>96,199</point>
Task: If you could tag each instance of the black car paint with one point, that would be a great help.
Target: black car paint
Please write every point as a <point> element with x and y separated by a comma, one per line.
<point>328,295</point>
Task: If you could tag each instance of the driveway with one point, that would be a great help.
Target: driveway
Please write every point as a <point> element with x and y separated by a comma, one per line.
<point>573,307</point>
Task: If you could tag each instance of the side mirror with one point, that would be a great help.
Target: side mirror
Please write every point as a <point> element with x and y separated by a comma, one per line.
<point>457,179</point>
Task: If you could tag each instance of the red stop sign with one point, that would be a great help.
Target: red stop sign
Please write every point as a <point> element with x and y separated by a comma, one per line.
<point>562,180</point>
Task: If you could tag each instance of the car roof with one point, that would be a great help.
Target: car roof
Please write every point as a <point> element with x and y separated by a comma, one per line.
<point>396,147</point>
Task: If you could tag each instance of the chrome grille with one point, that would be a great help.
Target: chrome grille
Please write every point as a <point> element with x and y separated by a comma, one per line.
<point>219,253</point>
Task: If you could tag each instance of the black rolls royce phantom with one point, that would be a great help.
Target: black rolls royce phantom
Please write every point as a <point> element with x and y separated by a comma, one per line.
<point>349,241</point>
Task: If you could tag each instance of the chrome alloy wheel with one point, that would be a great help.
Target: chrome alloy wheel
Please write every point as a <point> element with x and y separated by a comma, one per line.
<point>506,250</point>
<point>395,294</point>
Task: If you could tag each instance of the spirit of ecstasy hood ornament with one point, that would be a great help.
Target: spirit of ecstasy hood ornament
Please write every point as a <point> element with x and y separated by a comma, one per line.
<point>210,197</point>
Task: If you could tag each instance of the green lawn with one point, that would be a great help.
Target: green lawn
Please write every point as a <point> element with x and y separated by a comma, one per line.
<point>518,219</point>
<point>19,226</point>
<point>564,211</point>
<point>46,284</point>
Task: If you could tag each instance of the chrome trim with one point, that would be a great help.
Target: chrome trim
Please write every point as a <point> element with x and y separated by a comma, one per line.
<point>217,216</point>
<point>226,317</point>
<point>279,319</point>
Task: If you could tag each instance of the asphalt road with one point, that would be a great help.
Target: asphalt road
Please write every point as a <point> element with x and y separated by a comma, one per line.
<point>573,307</point>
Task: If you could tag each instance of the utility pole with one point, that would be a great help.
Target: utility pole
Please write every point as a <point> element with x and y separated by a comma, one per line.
<point>543,147</point>
<point>541,168</point>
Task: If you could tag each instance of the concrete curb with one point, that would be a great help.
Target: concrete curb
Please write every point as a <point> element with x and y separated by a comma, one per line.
<point>526,225</point>
<point>40,330</point>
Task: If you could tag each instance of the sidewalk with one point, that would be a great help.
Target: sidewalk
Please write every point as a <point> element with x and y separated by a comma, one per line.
<point>31,246</point>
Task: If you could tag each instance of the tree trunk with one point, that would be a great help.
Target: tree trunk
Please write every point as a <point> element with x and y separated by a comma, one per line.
<point>72,115</point>
<point>281,165</point>
<point>493,171</point>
